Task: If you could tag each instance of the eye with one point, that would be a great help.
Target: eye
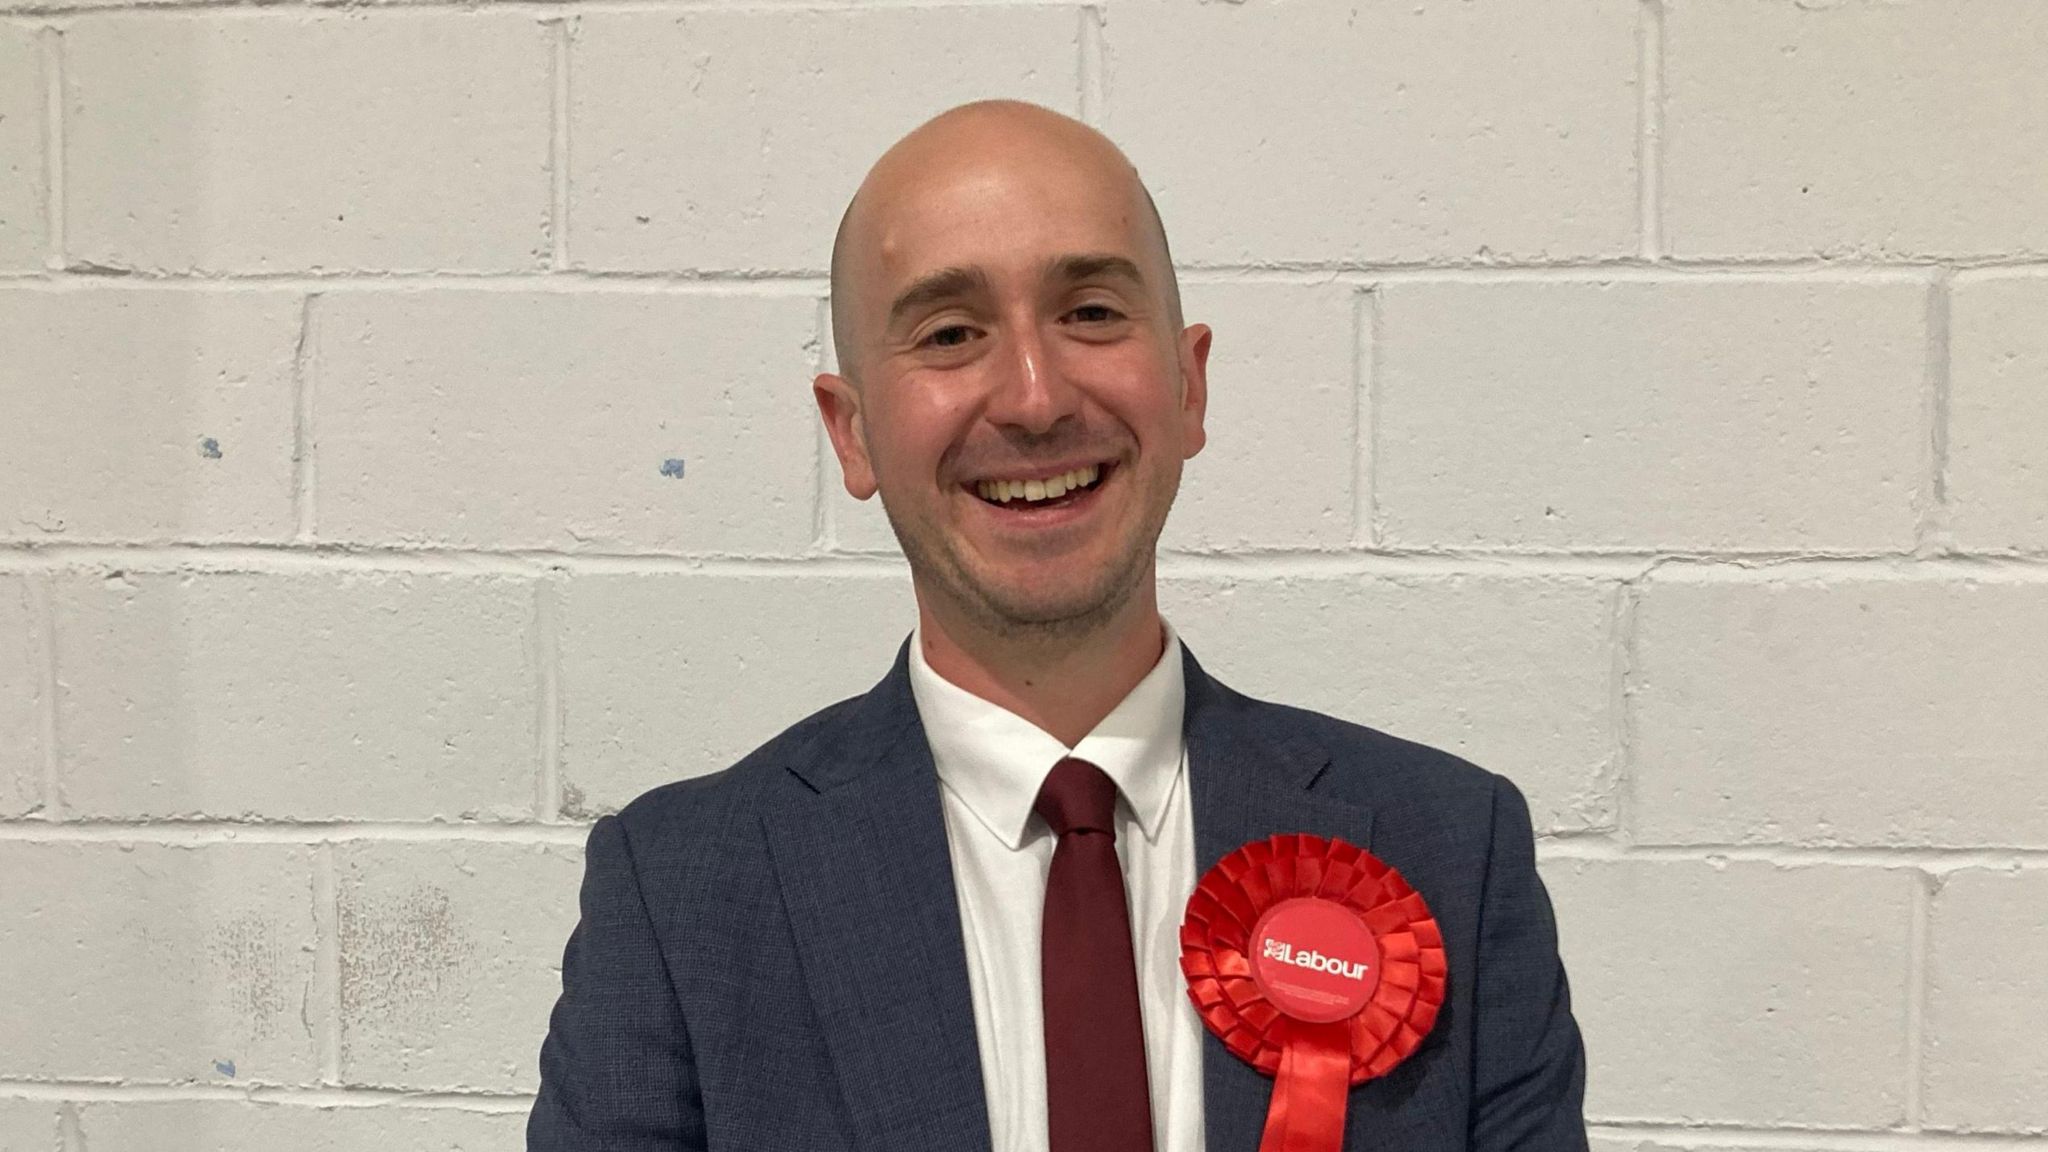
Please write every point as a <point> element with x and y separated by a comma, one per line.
<point>944,337</point>
<point>1095,313</point>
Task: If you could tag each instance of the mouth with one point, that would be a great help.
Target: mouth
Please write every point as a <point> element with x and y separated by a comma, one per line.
<point>1037,495</point>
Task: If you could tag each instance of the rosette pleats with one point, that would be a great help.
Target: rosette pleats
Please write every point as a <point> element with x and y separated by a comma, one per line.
<point>1308,1061</point>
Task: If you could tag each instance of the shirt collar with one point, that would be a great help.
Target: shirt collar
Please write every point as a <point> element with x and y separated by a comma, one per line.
<point>995,760</point>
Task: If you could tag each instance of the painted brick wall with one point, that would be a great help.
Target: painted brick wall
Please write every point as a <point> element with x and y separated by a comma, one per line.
<point>406,455</point>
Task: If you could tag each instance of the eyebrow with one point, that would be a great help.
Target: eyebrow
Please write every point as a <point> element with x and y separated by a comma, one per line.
<point>948,283</point>
<point>933,287</point>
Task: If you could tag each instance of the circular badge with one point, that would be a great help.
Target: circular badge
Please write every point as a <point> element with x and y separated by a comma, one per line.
<point>1315,959</point>
<point>1289,937</point>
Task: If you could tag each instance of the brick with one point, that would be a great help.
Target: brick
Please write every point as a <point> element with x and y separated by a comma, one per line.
<point>1280,389</point>
<point>375,696</point>
<point>412,141</point>
<point>1513,674</point>
<point>29,1126</point>
<point>250,1126</point>
<point>1863,129</point>
<point>450,960</point>
<point>1820,712</point>
<point>769,119</point>
<point>1705,989</point>
<point>1631,414</point>
<point>857,526</point>
<point>1620,1140</point>
<point>1435,130</point>
<point>671,676</point>
<point>1987,1002</point>
<point>644,421</point>
<point>23,655</point>
<point>147,415</point>
<point>153,962</point>
<point>24,230</point>
<point>1998,413</point>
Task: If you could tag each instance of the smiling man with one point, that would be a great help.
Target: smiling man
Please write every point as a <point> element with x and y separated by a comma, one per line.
<point>946,914</point>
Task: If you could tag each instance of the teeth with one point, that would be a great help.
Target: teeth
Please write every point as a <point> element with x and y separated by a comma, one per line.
<point>1051,487</point>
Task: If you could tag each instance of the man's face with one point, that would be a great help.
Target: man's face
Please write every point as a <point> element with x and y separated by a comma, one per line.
<point>1014,335</point>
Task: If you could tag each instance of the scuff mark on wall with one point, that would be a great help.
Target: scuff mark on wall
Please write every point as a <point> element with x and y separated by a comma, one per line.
<point>249,959</point>
<point>396,954</point>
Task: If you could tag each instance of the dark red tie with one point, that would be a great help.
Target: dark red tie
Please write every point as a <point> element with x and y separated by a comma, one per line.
<point>1096,1098</point>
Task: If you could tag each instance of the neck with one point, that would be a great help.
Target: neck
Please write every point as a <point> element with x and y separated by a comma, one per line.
<point>1064,684</point>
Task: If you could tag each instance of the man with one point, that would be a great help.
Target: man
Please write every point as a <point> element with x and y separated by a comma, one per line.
<point>944,915</point>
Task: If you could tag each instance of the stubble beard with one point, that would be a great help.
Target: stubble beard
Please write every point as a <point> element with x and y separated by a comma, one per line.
<point>935,564</point>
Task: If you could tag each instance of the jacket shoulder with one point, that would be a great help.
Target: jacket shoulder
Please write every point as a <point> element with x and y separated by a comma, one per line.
<point>723,798</point>
<point>1369,766</point>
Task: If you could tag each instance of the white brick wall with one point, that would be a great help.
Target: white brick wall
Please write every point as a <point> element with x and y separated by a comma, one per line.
<point>1998,412</point>
<point>22,157</point>
<point>313,141</point>
<point>406,455</point>
<point>1876,129</point>
<point>209,1125</point>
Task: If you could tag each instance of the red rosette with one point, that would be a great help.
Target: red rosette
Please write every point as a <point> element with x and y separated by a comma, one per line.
<point>1317,964</point>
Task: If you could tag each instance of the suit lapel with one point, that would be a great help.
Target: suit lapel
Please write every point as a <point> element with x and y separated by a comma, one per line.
<point>866,873</point>
<point>867,878</point>
<point>1249,779</point>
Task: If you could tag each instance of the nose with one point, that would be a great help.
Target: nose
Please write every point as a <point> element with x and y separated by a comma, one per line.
<point>1028,389</point>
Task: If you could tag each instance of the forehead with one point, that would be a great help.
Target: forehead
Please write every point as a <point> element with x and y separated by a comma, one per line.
<point>1007,216</point>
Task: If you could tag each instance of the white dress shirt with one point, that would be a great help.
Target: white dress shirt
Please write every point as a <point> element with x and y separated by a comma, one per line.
<point>991,763</point>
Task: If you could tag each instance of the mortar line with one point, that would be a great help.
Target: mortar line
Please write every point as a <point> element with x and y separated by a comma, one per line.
<point>327,962</point>
<point>822,528</point>
<point>43,613</point>
<point>1375,402</point>
<point>810,281</point>
<point>1362,495</point>
<point>1091,65</point>
<point>50,42</point>
<point>1622,685</point>
<point>1650,129</point>
<point>1931,525</point>
<point>1791,1138</point>
<point>70,1135</point>
<point>88,1091</point>
<point>280,9</point>
<point>558,146</point>
<point>1597,845</point>
<point>2027,569</point>
<point>1934,861</point>
<point>305,469</point>
<point>1918,933</point>
<point>547,659</point>
<point>193,833</point>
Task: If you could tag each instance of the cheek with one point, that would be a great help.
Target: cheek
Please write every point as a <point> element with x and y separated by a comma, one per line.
<point>1144,395</point>
<point>911,434</point>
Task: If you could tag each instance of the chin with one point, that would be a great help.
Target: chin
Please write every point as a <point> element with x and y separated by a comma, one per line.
<point>1041,605</point>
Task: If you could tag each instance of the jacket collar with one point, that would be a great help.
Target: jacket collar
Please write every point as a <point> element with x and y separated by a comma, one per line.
<point>862,858</point>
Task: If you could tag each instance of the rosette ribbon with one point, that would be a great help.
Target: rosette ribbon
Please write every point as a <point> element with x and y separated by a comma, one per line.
<point>1317,964</point>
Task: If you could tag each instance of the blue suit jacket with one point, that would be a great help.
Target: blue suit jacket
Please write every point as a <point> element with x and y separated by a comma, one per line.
<point>770,958</point>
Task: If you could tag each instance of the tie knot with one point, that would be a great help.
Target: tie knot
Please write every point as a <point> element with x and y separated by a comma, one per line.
<point>1077,797</point>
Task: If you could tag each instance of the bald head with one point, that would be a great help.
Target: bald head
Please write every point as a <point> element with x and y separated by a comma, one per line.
<point>951,163</point>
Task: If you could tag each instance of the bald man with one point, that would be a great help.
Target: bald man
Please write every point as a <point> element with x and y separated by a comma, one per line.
<point>945,914</point>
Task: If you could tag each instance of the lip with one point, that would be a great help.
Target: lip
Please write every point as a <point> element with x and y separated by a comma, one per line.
<point>1021,516</point>
<point>1041,472</point>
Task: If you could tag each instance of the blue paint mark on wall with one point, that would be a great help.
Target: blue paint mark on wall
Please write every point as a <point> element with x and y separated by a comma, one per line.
<point>225,1068</point>
<point>209,448</point>
<point>672,467</point>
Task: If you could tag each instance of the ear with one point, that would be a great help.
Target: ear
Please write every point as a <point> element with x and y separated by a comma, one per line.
<point>839,407</point>
<point>1194,385</point>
